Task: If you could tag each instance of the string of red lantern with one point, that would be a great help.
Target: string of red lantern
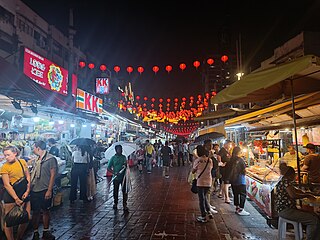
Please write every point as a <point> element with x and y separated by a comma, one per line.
<point>155,69</point>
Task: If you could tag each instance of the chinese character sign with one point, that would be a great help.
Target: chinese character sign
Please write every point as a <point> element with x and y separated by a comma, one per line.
<point>102,85</point>
<point>44,72</point>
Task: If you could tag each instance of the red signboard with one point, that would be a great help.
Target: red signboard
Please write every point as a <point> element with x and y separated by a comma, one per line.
<point>46,73</point>
<point>102,85</point>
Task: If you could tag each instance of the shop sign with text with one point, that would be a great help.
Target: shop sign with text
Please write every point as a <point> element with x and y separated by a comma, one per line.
<point>88,102</point>
<point>102,85</point>
<point>46,73</point>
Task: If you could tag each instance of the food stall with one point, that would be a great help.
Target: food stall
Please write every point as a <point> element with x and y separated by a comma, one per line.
<point>260,183</point>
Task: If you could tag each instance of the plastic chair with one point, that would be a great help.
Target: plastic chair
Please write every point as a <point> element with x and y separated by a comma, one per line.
<point>282,229</point>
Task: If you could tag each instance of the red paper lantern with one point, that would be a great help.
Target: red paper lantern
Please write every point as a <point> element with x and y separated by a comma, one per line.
<point>196,64</point>
<point>176,100</point>
<point>103,67</point>
<point>140,70</point>
<point>152,105</point>
<point>145,98</point>
<point>182,66</point>
<point>138,97</point>
<point>122,94</point>
<point>224,58</point>
<point>129,69</point>
<point>168,68</point>
<point>91,65</point>
<point>210,61</point>
<point>155,69</point>
<point>82,64</point>
<point>184,99</point>
<point>160,100</point>
<point>214,93</point>
<point>153,99</point>
<point>199,96</point>
<point>168,100</point>
<point>116,69</point>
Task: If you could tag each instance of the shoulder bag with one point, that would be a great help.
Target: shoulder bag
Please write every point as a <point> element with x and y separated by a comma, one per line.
<point>19,186</point>
<point>194,187</point>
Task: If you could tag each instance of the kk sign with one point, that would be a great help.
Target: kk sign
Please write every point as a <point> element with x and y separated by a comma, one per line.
<point>88,102</point>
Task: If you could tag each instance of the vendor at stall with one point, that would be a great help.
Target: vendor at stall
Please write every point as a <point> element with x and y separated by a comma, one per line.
<point>286,204</point>
<point>290,157</point>
<point>312,164</point>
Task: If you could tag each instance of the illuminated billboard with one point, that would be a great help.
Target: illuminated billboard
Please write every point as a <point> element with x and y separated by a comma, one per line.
<point>102,85</point>
<point>46,73</point>
<point>88,102</point>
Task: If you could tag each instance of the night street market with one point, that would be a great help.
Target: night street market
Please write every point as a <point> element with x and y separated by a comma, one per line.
<point>159,120</point>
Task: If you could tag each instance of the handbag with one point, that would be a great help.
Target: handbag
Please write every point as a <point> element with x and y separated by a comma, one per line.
<point>19,186</point>
<point>194,187</point>
<point>16,216</point>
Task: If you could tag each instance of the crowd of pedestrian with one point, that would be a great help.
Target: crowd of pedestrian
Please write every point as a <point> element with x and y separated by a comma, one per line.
<point>219,171</point>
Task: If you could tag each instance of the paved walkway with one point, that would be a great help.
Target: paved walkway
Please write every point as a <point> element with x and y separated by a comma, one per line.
<point>159,209</point>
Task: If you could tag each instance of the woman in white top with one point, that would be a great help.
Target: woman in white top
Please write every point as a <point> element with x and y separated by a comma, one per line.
<point>80,159</point>
<point>203,165</point>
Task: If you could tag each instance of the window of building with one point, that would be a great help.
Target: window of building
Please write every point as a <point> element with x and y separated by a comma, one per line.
<point>6,16</point>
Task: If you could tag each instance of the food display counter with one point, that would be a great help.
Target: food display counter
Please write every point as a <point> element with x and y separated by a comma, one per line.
<point>260,184</point>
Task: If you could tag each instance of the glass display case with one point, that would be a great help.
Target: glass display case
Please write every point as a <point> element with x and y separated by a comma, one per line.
<point>261,180</point>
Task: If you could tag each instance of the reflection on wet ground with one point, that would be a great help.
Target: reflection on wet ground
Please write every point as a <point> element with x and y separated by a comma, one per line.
<point>160,208</point>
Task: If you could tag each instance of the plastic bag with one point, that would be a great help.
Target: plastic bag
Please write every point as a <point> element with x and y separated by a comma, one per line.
<point>16,216</point>
<point>194,187</point>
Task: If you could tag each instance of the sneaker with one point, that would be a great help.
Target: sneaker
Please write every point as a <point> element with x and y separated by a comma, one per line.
<point>243,212</point>
<point>47,235</point>
<point>149,172</point>
<point>36,236</point>
<point>115,206</point>
<point>202,219</point>
<point>213,207</point>
<point>212,211</point>
<point>167,176</point>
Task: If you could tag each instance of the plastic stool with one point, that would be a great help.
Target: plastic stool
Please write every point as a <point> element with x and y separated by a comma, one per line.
<point>282,229</point>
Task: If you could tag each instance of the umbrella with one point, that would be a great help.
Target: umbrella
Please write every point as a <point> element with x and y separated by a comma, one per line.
<point>127,149</point>
<point>214,136</point>
<point>299,76</point>
<point>82,141</point>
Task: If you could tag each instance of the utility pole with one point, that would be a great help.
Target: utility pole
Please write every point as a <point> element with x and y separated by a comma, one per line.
<point>70,63</point>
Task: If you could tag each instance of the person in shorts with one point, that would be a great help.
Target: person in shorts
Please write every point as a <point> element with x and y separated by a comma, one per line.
<point>42,180</point>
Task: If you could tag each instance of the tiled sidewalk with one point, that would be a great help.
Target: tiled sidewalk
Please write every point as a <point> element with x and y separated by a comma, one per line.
<point>159,209</point>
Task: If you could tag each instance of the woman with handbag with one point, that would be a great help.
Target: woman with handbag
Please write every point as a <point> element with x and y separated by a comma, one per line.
<point>16,180</point>
<point>202,167</point>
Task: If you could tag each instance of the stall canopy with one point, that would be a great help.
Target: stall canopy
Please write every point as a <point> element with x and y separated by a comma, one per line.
<point>274,83</point>
<point>275,110</point>
<point>226,112</point>
<point>15,84</point>
<point>279,116</point>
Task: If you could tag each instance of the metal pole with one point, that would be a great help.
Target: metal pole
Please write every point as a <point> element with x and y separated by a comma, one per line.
<point>295,130</point>
<point>70,63</point>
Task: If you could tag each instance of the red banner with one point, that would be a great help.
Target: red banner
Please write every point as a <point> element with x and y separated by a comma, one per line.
<point>46,73</point>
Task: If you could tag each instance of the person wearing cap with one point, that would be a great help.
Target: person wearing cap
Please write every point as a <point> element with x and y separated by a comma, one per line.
<point>312,164</point>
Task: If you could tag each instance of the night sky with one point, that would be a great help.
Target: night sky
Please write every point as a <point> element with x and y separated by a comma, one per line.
<point>149,33</point>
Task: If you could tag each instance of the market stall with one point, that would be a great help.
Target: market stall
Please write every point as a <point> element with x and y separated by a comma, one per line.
<point>260,183</point>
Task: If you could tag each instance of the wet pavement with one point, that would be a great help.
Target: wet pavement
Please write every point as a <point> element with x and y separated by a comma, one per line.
<point>160,208</point>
